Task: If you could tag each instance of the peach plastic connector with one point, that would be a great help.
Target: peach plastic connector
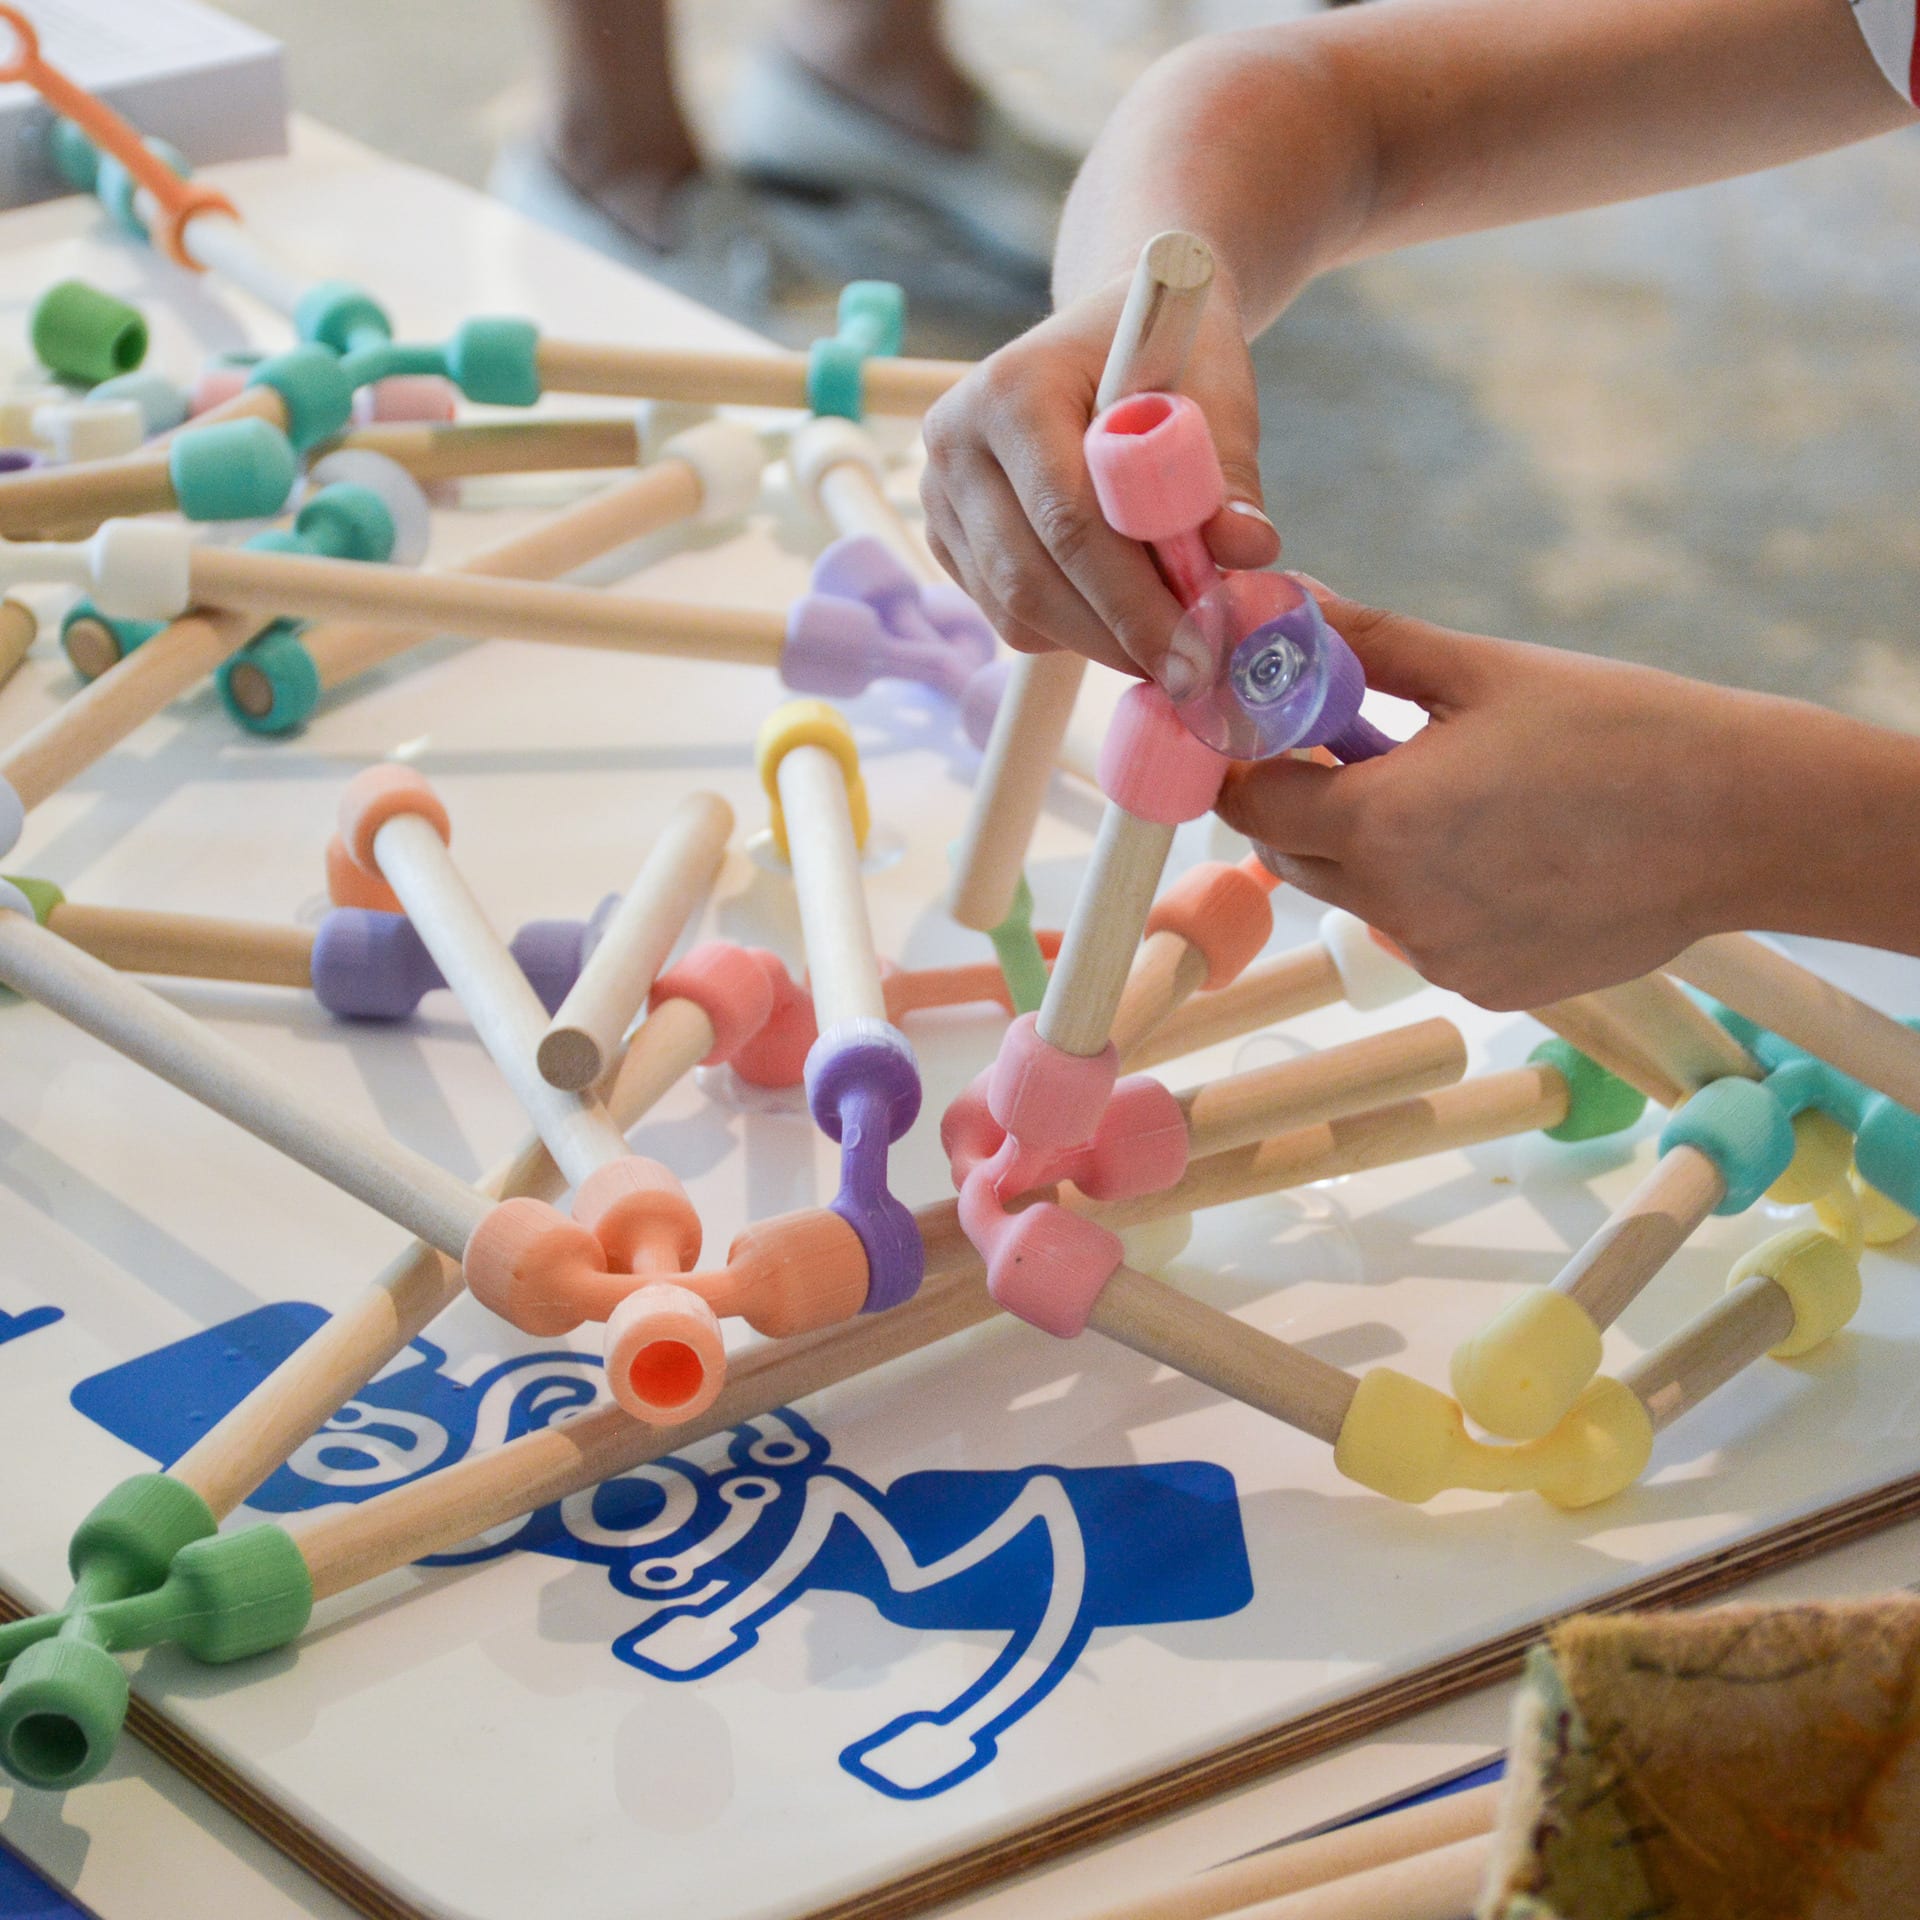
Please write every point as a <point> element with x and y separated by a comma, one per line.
<point>809,723</point>
<point>733,986</point>
<point>178,200</point>
<point>776,1056</point>
<point>349,884</point>
<point>536,1269</point>
<point>794,1274</point>
<point>1223,912</point>
<point>376,795</point>
<point>1152,766</point>
<point>639,1212</point>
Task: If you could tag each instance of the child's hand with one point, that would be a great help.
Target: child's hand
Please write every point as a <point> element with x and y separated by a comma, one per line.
<point>1010,507</point>
<point>1563,823</point>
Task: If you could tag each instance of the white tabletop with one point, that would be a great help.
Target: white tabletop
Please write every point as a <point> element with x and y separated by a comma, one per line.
<point>146,1220</point>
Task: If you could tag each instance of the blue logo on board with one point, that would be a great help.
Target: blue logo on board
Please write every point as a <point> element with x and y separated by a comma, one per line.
<point>710,1553</point>
<point>14,1326</point>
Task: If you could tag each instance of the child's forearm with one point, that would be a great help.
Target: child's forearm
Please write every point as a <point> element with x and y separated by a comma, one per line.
<point>1294,148</point>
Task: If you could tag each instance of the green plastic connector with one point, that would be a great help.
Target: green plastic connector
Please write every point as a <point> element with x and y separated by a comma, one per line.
<point>128,1543</point>
<point>1598,1102</point>
<point>1744,1129</point>
<point>115,188</point>
<point>271,685</point>
<point>83,334</point>
<point>872,321</point>
<point>1022,964</point>
<point>42,895</point>
<point>93,643</point>
<point>232,470</point>
<point>495,361</point>
<point>338,315</point>
<point>64,1698</point>
<point>345,522</point>
<point>316,389</point>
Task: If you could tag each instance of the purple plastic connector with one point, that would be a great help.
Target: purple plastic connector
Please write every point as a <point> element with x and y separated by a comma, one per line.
<point>868,619</point>
<point>369,965</point>
<point>20,459</point>
<point>863,1089</point>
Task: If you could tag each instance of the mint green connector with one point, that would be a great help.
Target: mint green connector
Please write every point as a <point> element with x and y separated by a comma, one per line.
<point>1015,946</point>
<point>220,1597</point>
<point>872,322</point>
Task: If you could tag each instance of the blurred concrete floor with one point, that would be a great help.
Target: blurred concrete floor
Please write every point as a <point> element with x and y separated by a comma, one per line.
<point>1685,432</point>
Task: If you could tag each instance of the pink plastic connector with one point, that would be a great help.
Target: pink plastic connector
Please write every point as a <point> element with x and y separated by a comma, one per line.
<point>1151,765</point>
<point>1139,1144</point>
<point>1225,913</point>
<point>1045,1264</point>
<point>733,986</point>
<point>407,396</point>
<point>213,386</point>
<point>1048,1100</point>
<point>1155,470</point>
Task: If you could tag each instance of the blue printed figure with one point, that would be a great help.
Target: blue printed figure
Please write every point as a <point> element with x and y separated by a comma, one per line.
<point>15,1326</point>
<point>711,1554</point>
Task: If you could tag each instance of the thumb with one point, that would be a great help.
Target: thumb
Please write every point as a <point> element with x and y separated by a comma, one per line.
<point>1412,659</point>
<point>1239,535</point>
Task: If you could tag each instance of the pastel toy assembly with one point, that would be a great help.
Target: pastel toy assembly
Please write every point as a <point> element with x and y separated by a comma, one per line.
<point>588,855</point>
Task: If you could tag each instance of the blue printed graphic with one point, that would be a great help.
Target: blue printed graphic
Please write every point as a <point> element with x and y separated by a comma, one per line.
<point>14,1325</point>
<point>711,1553</point>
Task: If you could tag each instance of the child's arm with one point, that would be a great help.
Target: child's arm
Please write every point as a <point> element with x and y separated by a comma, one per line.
<point>1563,823</point>
<point>1294,148</point>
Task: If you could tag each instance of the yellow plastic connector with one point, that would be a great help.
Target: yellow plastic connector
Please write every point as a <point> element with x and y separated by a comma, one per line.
<point>1410,1442</point>
<point>1822,1155</point>
<point>1857,1207</point>
<point>1815,1272</point>
<point>809,723</point>
<point>1522,1372</point>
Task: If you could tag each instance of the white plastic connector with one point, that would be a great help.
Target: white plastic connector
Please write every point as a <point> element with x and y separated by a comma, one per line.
<point>826,442</point>
<point>398,491</point>
<point>140,569</point>
<point>1370,976</point>
<point>655,422</point>
<point>729,458</point>
<point>89,430</point>
<point>18,407</point>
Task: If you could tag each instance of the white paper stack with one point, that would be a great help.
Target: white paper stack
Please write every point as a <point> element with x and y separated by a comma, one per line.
<point>213,86</point>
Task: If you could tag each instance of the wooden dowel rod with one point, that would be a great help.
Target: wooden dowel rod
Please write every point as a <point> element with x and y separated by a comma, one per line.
<point>1678,1033</point>
<point>1372,1072</point>
<point>19,627</point>
<point>842,966</point>
<point>275,584</point>
<point>888,386</point>
<point>658,496</point>
<point>405,1186</point>
<point>486,979</point>
<point>1166,973</point>
<point>1268,992</point>
<point>1785,998</point>
<point>1642,1234</point>
<point>1103,932</point>
<point>1012,786</point>
<point>1489,1107</point>
<point>104,712</point>
<point>1326,1857</point>
<point>1165,299</point>
<point>442,450</point>
<point>1156,1320</point>
<point>1738,1329</point>
<point>246,1445</point>
<point>1441,1885</point>
<point>676,876</point>
<point>46,502</point>
<point>855,503</point>
<point>1588,1023</point>
<point>193,946</point>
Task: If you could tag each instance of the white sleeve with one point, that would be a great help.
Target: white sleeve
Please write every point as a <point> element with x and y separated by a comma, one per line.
<point>1889,27</point>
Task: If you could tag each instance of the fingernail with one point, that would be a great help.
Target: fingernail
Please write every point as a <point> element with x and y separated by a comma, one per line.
<point>1184,665</point>
<point>1313,586</point>
<point>1248,511</point>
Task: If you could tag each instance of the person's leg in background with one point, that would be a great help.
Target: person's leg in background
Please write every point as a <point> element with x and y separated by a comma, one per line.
<point>855,95</point>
